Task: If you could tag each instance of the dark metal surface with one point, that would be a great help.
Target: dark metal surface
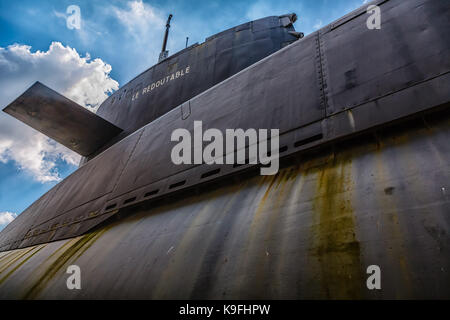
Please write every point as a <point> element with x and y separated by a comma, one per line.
<point>309,232</point>
<point>300,90</point>
<point>219,57</point>
<point>361,65</point>
<point>74,203</point>
<point>317,91</point>
<point>62,119</point>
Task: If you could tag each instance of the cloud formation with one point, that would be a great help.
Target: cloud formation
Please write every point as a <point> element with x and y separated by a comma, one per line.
<point>6,218</point>
<point>139,18</point>
<point>61,68</point>
<point>143,25</point>
<point>318,25</point>
<point>264,8</point>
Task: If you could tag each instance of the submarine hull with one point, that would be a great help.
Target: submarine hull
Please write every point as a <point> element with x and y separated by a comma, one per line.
<point>309,232</point>
<point>363,117</point>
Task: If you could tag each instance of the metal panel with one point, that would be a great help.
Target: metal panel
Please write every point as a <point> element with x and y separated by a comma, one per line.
<point>11,236</point>
<point>288,90</point>
<point>94,179</point>
<point>62,119</point>
<point>75,204</point>
<point>390,108</point>
<point>412,46</point>
<point>309,232</point>
<point>280,86</point>
<point>210,63</point>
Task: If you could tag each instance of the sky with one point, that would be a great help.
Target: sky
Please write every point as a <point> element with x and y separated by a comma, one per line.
<point>115,41</point>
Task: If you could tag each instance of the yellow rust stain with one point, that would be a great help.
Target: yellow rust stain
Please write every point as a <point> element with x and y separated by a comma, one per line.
<point>257,259</point>
<point>38,248</point>
<point>181,247</point>
<point>74,251</point>
<point>279,179</point>
<point>268,228</point>
<point>334,240</point>
<point>6,255</point>
<point>266,194</point>
<point>282,262</point>
<point>15,257</point>
<point>265,197</point>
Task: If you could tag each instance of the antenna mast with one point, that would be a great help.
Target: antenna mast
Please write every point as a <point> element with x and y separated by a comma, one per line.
<point>165,53</point>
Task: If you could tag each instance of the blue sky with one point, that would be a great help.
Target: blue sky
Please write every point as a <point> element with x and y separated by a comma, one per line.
<point>125,37</point>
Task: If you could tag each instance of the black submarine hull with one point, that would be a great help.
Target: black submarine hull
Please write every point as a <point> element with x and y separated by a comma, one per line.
<point>309,232</point>
<point>193,70</point>
<point>364,115</point>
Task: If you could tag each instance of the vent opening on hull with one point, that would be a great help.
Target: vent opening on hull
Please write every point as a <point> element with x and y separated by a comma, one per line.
<point>308,140</point>
<point>178,184</point>
<point>210,173</point>
<point>151,193</point>
<point>283,149</point>
<point>111,206</point>
<point>129,200</point>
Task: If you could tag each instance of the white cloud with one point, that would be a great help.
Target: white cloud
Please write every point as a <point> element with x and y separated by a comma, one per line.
<point>263,8</point>
<point>144,27</point>
<point>139,18</point>
<point>318,24</point>
<point>259,9</point>
<point>61,68</point>
<point>88,31</point>
<point>6,218</point>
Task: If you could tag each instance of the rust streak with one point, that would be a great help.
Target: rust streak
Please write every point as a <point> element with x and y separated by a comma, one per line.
<point>22,262</point>
<point>73,252</point>
<point>335,245</point>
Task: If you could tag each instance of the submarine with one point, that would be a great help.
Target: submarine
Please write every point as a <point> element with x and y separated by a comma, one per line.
<point>364,180</point>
